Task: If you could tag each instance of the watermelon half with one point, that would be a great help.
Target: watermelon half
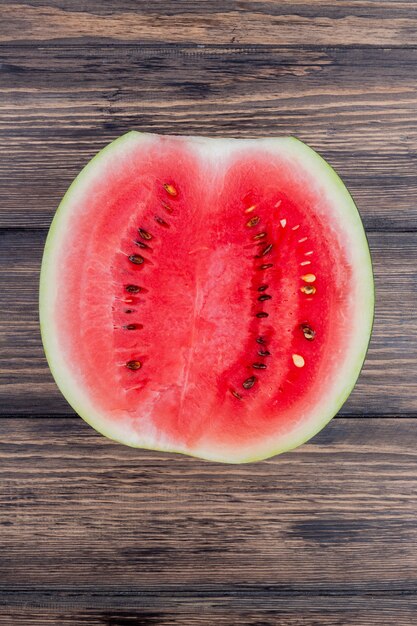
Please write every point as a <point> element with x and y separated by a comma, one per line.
<point>212,297</point>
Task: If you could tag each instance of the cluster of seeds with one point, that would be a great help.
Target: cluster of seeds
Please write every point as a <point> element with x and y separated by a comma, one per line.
<point>143,242</point>
<point>266,248</point>
<point>260,238</point>
<point>308,288</point>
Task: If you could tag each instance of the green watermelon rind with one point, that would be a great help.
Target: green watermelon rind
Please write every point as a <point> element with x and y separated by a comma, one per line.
<point>328,178</point>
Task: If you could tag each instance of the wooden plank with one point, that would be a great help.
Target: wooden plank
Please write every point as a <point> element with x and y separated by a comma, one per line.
<point>201,610</point>
<point>386,386</point>
<point>316,22</point>
<point>337,516</point>
<point>59,105</point>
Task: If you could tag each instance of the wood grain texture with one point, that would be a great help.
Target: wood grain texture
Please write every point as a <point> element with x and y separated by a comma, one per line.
<point>60,105</point>
<point>94,515</point>
<point>96,534</point>
<point>387,385</point>
<point>317,22</point>
<point>208,609</point>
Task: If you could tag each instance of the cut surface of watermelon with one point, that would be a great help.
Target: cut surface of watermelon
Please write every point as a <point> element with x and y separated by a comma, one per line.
<point>207,296</point>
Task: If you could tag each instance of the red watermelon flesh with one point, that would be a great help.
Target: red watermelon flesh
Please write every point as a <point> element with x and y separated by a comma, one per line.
<point>206,296</point>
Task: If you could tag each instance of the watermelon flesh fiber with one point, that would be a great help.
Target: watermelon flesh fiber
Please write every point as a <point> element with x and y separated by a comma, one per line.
<point>205,296</point>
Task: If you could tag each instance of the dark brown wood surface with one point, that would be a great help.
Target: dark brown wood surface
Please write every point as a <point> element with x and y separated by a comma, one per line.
<point>98,534</point>
<point>322,535</point>
<point>243,22</point>
<point>289,522</point>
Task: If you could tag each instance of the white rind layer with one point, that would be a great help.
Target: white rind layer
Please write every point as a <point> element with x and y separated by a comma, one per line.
<point>219,152</point>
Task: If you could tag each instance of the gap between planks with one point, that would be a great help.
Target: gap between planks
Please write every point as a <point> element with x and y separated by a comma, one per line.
<point>199,49</point>
<point>62,595</point>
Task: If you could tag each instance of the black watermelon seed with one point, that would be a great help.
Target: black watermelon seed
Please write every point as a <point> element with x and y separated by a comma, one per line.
<point>264,297</point>
<point>133,326</point>
<point>136,259</point>
<point>259,366</point>
<point>253,221</point>
<point>236,394</point>
<point>308,289</point>
<point>260,340</point>
<point>265,266</point>
<point>262,314</point>
<point>134,365</point>
<point>133,288</point>
<point>144,234</point>
<point>263,287</point>
<point>308,332</point>
<point>249,382</point>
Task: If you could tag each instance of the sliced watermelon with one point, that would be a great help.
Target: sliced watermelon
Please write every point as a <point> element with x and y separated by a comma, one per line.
<point>207,296</point>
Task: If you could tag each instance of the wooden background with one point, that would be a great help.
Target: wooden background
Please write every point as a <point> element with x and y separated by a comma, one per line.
<point>97,534</point>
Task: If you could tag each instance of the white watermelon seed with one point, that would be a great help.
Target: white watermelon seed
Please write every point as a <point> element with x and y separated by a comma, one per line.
<point>298,360</point>
<point>266,250</point>
<point>308,278</point>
